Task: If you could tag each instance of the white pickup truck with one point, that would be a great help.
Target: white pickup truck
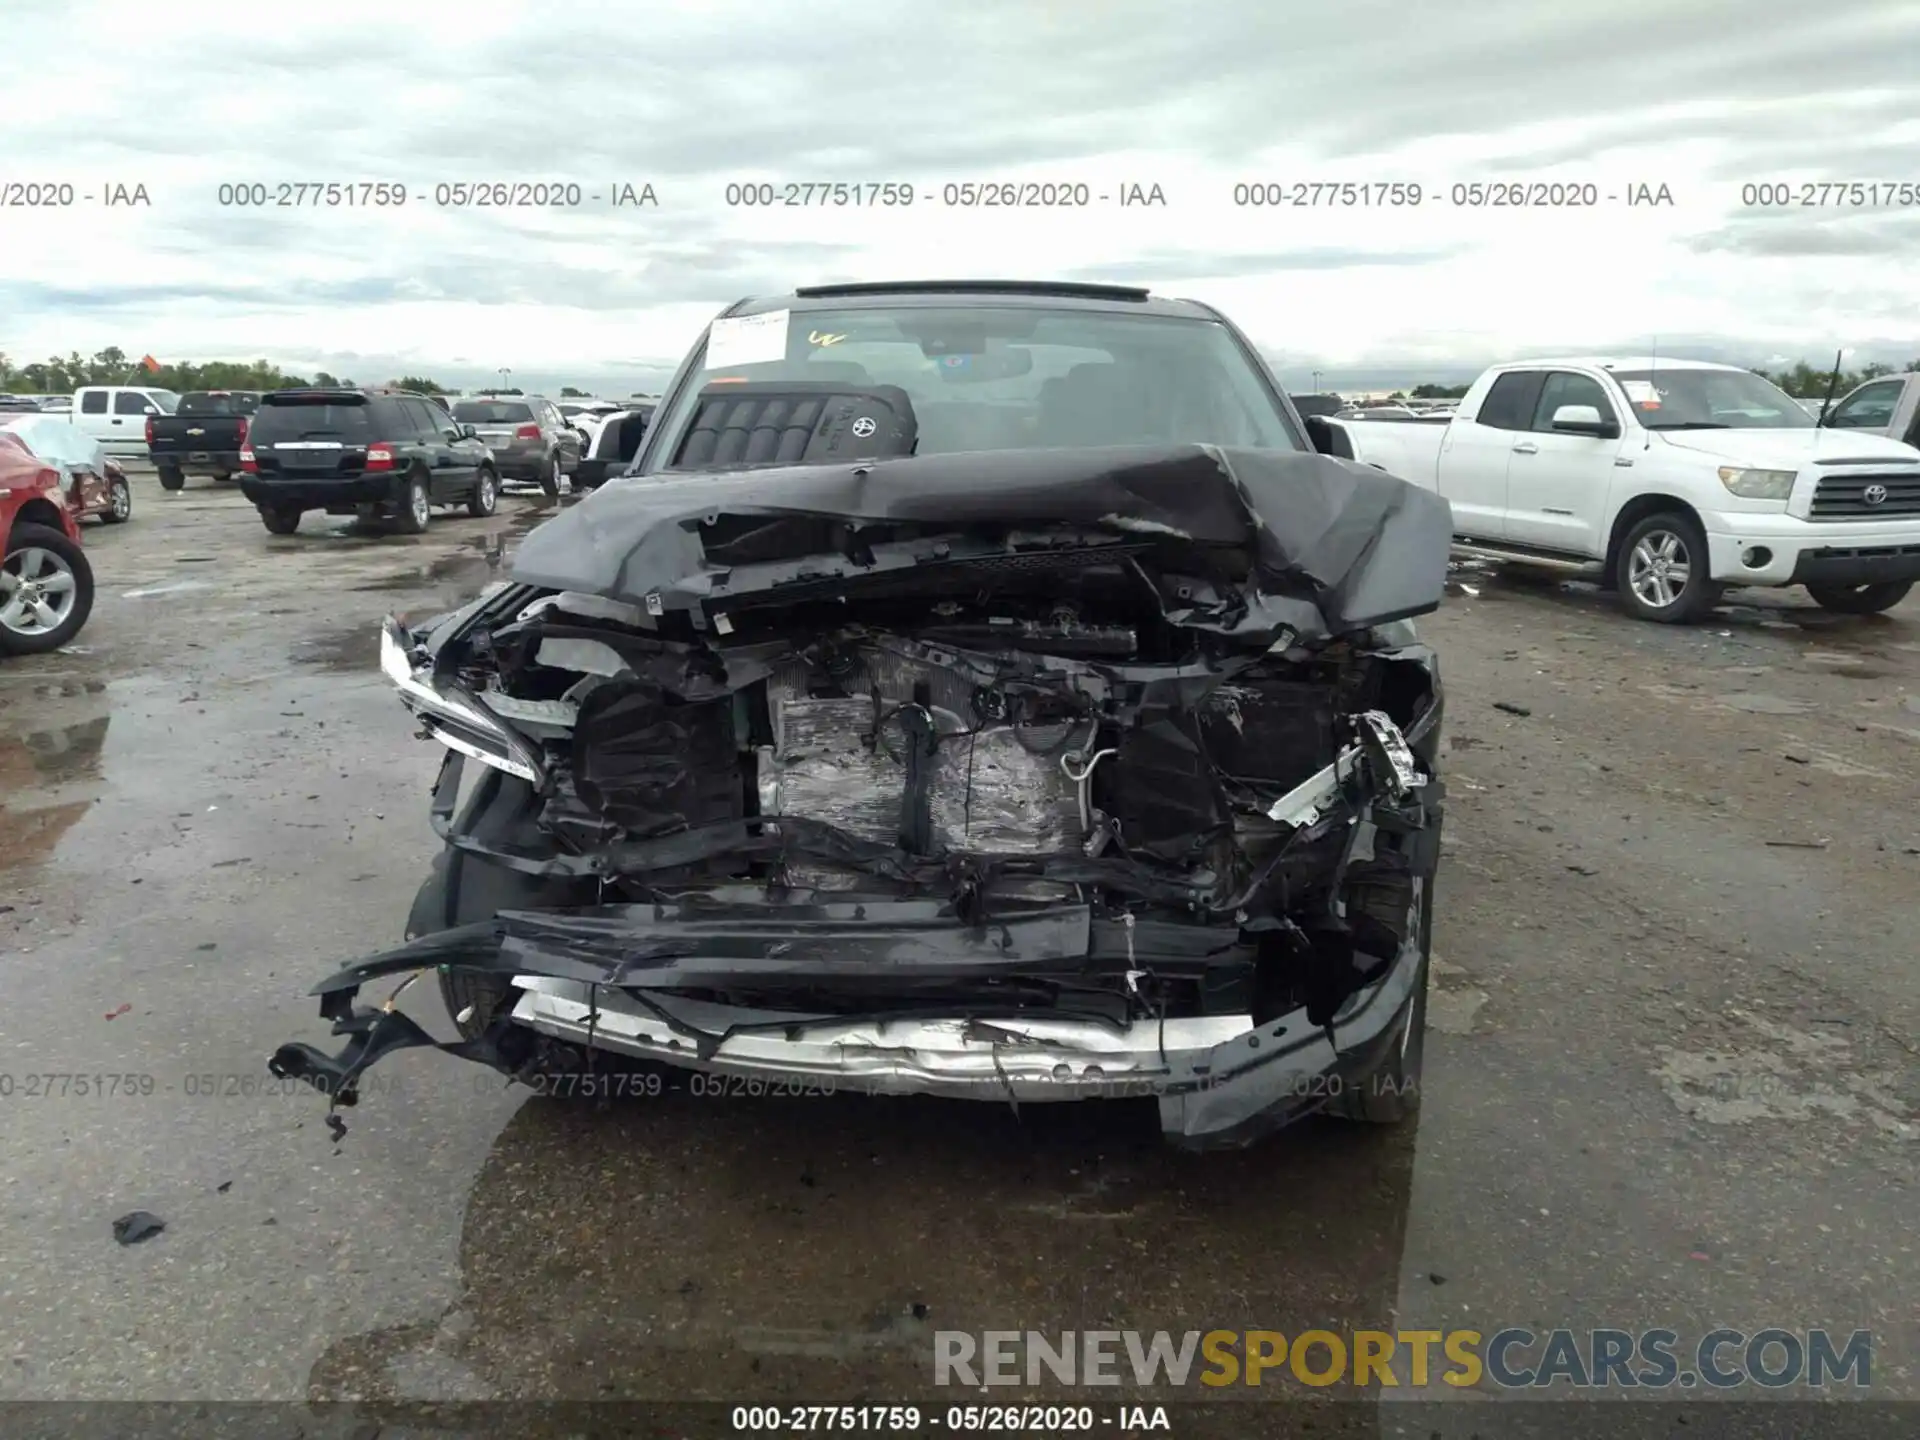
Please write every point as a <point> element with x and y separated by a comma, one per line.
<point>1668,480</point>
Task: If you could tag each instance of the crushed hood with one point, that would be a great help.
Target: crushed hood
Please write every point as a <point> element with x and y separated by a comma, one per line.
<point>1334,546</point>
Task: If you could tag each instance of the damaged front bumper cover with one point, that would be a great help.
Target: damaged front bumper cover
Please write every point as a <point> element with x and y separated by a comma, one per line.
<point>1218,1080</point>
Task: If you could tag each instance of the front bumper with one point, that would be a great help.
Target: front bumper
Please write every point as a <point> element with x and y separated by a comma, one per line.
<point>621,976</point>
<point>1858,565</point>
<point>1838,552</point>
<point>323,494</point>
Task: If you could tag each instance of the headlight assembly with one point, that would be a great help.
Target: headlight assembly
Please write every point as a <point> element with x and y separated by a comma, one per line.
<point>1757,484</point>
<point>454,718</point>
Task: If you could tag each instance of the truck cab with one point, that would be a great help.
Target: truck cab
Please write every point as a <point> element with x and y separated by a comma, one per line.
<point>1887,406</point>
<point>116,415</point>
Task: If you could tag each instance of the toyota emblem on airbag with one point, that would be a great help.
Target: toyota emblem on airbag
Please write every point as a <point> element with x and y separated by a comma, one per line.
<point>864,427</point>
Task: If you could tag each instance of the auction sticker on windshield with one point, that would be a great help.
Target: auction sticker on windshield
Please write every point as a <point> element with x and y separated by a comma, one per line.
<point>747,339</point>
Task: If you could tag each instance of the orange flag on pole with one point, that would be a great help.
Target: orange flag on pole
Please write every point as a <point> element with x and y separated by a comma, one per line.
<point>149,364</point>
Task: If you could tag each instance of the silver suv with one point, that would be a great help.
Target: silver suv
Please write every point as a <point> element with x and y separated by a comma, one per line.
<point>528,437</point>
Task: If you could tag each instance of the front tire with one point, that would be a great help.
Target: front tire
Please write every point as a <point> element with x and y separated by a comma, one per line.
<point>46,591</point>
<point>1661,570</point>
<point>461,888</point>
<point>280,519</point>
<point>416,506</point>
<point>171,478</point>
<point>1391,1092</point>
<point>550,481</point>
<point>485,498</point>
<point>119,503</point>
<point>1860,599</point>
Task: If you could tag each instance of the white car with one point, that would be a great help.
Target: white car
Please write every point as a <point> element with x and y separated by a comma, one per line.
<point>1669,480</point>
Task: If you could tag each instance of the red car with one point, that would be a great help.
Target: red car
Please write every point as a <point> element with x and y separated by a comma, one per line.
<point>46,584</point>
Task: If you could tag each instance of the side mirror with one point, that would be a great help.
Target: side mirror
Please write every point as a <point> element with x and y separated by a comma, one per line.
<point>1329,438</point>
<point>1584,420</point>
<point>467,432</point>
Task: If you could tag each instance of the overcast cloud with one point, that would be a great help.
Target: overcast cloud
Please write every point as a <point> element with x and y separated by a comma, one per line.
<point>1700,98</point>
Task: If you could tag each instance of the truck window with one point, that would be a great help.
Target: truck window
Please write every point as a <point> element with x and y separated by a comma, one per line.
<point>1512,400</point>
<point>130,402</point>
<point>1563,387</point>
<point>93,402</point>
<point>1868,408</point>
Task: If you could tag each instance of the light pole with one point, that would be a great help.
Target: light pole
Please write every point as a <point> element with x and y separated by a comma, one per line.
<point>504,373</point>
<point>1316,382</point>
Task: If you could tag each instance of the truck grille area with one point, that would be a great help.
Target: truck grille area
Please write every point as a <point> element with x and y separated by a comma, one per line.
<point>1867,497</point>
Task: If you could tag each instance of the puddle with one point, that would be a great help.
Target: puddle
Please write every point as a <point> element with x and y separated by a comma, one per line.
<point>462,570</point>
<point>1847,664</point>
<point>1759,704</point>
<point>177,587</point>
<point>345,652</point>
<point>1773,1072</point>
<point>71,752</point>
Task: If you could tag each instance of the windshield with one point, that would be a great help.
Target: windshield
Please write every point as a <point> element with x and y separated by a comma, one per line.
<point>491,412</point>
<point>223,403</point>
<point>1682,399</point>
<point>167,400</point>
<point>1022,378</point>
<point>310,420</point>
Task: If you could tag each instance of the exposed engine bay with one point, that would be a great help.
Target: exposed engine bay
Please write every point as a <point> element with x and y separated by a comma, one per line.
<point>824,767</point>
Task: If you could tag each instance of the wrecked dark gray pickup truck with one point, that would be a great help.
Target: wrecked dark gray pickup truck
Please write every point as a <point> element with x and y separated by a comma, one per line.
<point>1019,775</point>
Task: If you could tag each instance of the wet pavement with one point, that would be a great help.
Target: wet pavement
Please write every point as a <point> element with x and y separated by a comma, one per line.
<point>1671,1072</point>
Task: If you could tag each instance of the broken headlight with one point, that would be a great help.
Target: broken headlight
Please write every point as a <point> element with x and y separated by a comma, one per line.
<point>449,714</point>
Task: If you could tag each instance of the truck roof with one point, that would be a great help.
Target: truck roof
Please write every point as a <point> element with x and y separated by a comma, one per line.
<point>1617,362</point>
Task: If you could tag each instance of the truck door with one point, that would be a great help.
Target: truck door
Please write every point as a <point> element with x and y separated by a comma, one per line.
<point>1871,407</point>
<point>1558,483</point>
<point>92,415</point>
<point>1477,451</point>
<point>127,427</point>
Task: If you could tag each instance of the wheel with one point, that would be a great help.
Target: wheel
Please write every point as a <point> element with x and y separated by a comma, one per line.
<point>280,519</point>
<point>171,478</point>
<point>1661,570</point>
<point>485,498</point>
<point>1391,1092</point>
<point>461,888</point>
<point>1860,599</point>
<point>46,591</point>
<point>416,506</point>
<point>221,476</point>
<point>550,482</point>
<point>119,503</point>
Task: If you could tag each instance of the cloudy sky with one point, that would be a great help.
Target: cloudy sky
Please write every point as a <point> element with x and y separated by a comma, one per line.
<point>1703,98</point>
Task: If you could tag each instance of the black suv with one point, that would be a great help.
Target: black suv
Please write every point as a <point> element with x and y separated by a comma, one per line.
<point>370,453</point>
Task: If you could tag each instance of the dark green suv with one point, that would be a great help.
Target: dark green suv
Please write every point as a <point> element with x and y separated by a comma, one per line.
<point>373,453</point>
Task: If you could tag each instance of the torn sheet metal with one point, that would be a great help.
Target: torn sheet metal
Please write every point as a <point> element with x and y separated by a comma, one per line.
<point>1333,546</point>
